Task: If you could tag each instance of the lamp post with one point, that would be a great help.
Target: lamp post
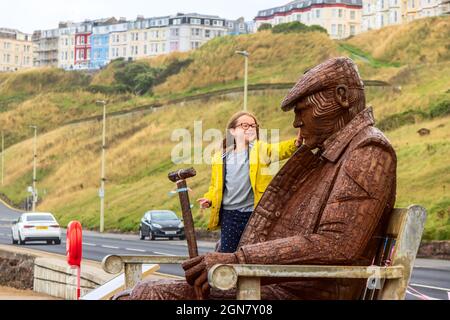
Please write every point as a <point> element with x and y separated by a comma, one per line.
<point>34,194</point>
<point>101,192</point>
<point>246,55</point>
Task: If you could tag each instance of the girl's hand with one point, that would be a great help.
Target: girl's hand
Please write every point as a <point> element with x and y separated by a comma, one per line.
<point>204,203</point>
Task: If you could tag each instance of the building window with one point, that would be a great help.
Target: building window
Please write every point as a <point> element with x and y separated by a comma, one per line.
<point>333,29</point>
<point>318,13</point>
<point>196,21</point>
<point>174,46</point>
<point>207,22</point>
<point>175,32</point>
<point>124,52</point>
<point>196,32</point>
<point>176,22</point>
<point>207,33</point>
<point>340,13</point>
<point>352,30</point>
<point>352,15</point>
<point>195,45</point>
<point>218,23</point>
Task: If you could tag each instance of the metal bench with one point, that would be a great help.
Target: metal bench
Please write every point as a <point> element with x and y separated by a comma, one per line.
<point>387,280</point>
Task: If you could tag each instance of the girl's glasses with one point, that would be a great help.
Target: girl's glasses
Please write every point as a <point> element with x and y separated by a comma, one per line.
<point>247,126</point>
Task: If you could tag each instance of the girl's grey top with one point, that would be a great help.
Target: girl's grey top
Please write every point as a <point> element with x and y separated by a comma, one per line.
<point>238,192</point>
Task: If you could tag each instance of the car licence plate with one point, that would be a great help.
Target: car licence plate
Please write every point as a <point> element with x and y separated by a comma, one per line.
<point>41,228</point>
<point>171,232</point>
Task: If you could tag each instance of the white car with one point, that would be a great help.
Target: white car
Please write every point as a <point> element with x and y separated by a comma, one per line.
<point>36,227</point>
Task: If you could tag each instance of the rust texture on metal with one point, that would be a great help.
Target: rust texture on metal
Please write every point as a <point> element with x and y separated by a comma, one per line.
<point>182,174</point>
<point>179,177</point>
<point>329,207</point>
<point>189,227</point>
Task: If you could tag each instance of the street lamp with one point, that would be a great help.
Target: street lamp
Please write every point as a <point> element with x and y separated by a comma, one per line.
<point>101,192</point>
<point>34,168</point>
<point>246,55</point>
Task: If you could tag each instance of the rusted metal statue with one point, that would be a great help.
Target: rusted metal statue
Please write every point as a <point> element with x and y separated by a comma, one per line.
<point>328,205</point>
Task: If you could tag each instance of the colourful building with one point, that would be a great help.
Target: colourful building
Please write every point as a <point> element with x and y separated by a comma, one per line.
<point>16,50</point>
<point>341,18</point>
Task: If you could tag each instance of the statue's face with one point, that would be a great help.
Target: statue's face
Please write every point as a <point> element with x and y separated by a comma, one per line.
<point>313,131</point>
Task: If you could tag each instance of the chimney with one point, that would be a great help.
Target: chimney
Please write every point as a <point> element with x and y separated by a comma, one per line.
<point>140,17</point>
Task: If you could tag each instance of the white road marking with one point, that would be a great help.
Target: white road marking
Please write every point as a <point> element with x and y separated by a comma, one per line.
<point>165,254</point>
<point>109,247</point>
<point>136,250</point>
<point>89,244</point>
<point>429,287</point>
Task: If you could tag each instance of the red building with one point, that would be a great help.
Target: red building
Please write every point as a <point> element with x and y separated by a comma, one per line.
<point>83,49</point>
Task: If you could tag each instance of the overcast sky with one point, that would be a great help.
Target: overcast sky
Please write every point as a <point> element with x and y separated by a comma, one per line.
<point>30,15</point>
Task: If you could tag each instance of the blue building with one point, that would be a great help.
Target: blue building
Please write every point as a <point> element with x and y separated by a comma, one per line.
<point>100,43</point>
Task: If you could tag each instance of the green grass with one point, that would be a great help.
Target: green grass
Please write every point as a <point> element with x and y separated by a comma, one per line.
<point>358,54</point>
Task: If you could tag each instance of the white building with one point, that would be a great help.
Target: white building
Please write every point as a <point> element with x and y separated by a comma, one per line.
<point>341,18</point>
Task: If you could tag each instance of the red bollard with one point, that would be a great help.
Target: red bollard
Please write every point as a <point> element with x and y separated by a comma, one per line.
<point>74,250</point>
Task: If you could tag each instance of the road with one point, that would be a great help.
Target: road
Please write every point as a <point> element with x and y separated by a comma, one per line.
<point>430,278</point>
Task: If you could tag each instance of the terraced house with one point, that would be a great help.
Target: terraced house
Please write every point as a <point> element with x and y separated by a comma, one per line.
<point>93,44</point>
<point>341,18</point>
<point>380,13</point>
<point>16,50</point>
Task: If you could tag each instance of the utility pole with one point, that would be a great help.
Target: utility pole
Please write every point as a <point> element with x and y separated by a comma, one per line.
<point>103,178</point>
<point>34,168</point>
<point>246,55</point>
<point>3,157</point>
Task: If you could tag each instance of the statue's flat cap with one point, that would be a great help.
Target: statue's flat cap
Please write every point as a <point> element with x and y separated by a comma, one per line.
<point>328,75</point>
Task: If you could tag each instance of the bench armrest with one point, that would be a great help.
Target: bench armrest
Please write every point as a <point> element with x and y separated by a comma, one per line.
<point>114,264</point>
<point>226,277</point>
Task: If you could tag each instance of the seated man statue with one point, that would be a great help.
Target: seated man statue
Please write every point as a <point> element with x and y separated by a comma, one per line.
<point>329,205</point>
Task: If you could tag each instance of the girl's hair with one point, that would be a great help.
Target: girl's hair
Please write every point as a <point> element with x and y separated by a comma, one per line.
<point>229,141</point>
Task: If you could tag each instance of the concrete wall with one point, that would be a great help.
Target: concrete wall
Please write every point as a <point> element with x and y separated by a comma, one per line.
<point>55,278</point>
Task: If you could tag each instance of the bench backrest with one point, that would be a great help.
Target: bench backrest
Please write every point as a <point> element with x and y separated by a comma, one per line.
<point>399,248</point>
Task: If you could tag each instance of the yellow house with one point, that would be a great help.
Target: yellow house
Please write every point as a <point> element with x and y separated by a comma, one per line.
<point>16,50</point>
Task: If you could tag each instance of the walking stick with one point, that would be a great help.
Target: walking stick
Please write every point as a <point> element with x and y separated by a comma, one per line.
<point>179,177</point>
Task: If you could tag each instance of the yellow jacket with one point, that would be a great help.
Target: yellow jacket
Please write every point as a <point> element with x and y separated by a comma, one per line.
<point>261,156</point>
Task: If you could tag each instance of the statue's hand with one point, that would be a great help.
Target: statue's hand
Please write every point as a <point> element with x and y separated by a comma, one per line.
<point>196,270</point>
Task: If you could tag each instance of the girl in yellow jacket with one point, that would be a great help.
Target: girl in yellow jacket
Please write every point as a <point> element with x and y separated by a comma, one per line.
<point>240,176</point>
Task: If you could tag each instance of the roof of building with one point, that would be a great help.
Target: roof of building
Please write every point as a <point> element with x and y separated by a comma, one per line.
<point>299,4</point>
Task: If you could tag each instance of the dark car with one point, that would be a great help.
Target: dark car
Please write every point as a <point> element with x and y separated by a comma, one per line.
<point>161,224</point>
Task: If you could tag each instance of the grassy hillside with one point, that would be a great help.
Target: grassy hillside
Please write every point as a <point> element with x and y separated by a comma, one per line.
<point>140,146</point>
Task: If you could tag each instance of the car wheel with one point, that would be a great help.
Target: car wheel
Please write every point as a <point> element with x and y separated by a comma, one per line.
<point>21,242</point>
<point>141,235</point>
<point>49,242</point>
<point>152,236</point>
<point>171,238</point>
<point>58,241</point>
<point>182,238</point>
<point>13,241</point>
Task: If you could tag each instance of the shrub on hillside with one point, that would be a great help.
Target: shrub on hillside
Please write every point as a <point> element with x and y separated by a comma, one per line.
<point>137,77</point>
<point>297,26</point>
<point>440,109</point>
<point>265,26</point>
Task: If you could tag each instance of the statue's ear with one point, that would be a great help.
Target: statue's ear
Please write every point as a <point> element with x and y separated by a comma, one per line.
<point>341,95</point>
